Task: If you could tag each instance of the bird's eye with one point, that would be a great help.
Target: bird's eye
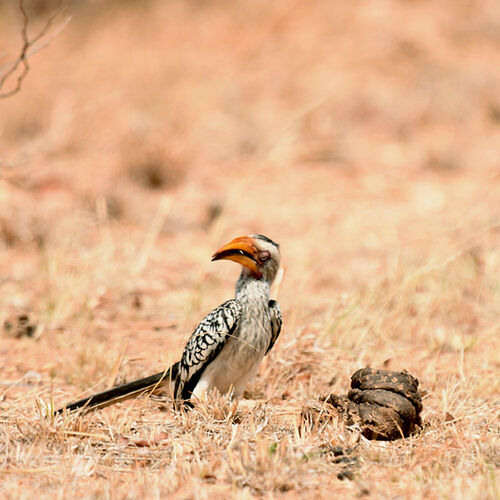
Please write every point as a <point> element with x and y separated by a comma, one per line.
<point>263,256</point>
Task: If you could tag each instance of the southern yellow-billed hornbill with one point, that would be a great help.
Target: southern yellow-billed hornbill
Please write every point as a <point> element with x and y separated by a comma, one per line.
<point>227,347</point>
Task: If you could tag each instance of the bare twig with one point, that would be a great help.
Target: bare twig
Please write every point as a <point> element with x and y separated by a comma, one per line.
<point>29,47</point>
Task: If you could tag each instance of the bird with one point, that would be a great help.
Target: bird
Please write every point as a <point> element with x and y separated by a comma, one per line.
<point>226,348</point>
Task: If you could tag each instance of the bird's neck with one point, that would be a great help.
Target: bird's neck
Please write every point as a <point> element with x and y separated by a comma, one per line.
<point>249,289</point>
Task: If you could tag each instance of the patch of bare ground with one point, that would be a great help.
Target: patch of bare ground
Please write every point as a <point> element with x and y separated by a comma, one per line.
<point>364,137</point>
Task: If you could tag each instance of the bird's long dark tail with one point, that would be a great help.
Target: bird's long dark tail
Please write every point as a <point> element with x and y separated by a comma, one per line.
<point>151,384</point>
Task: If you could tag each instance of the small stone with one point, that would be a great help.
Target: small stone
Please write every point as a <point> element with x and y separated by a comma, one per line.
<point>337,451</point>
<point>345,474</point>
<point>19,326</point>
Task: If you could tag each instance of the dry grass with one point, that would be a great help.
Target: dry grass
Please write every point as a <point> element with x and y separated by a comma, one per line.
<point>363,136</point>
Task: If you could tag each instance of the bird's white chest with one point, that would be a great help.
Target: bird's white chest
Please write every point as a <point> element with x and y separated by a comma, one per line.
<point>239,359</point>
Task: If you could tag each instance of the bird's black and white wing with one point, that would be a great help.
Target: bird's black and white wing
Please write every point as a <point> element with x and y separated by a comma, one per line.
<point>204,344</point>
<point>276,321</point>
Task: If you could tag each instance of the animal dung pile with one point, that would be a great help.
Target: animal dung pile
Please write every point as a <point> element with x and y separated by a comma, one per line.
<point>385,404</point>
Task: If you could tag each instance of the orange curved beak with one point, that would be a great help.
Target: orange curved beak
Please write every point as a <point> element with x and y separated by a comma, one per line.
<point>241,250</point>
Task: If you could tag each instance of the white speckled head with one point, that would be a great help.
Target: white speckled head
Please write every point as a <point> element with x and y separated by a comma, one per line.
<point>269,256</point>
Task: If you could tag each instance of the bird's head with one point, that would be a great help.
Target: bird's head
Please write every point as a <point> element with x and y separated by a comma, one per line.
<point>259,255</point>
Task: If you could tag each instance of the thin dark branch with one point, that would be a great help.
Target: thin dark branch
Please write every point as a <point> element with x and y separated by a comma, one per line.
<point>28,48</point>
<point>20,59</point>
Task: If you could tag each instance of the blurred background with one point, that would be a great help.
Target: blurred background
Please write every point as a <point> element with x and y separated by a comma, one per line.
<point>362,136</point>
